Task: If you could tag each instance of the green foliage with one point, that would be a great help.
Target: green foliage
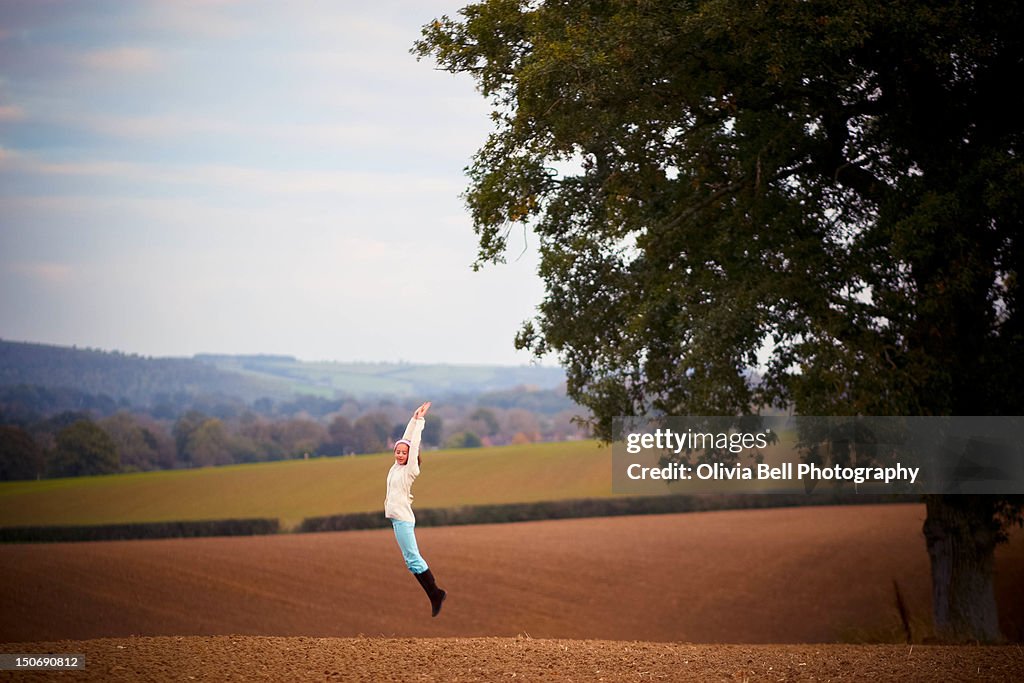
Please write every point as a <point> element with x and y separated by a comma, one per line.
<point>142,444</point>
<point>839,183</point>
<point>463,440</point>
<point>182,431</point>
<point>83,449</point>
<point>209,444</point>
<point>544,401</point>
<point>341,438</point>
<point>432,430</point>
<point>371,433</point>
<point>20,457</point>
<point>838,180</point>
<point>487,419</point>
<point>297,437</point>
<point>204,441</point>
<point>586,507</point>
<point>121,532</point>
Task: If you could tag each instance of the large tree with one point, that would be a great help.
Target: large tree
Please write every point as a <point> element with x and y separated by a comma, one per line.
<point>835,184</point>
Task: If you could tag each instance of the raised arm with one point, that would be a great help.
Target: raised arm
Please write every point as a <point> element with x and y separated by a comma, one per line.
<point>417,416</point>
<point>413,432</point>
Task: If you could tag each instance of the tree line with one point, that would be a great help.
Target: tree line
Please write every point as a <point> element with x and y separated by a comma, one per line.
<point>80,443</point>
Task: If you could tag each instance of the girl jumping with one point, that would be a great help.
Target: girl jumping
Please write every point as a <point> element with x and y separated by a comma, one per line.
<point>398,506</point>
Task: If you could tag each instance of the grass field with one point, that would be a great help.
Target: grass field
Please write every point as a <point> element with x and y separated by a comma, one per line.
<point>294,489</point>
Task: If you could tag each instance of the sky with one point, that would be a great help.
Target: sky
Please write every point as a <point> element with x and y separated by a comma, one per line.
<point>245,177</point>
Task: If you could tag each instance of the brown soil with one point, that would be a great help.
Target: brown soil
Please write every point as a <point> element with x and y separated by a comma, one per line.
<point>769,576</point>
<point>247,658</point>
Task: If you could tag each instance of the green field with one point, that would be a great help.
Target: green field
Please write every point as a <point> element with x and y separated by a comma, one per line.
<point>295,489</point>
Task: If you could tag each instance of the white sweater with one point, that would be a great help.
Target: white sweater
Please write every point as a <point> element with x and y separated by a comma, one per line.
<point>398,500</point>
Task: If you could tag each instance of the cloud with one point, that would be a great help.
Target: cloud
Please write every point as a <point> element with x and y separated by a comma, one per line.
<point>10,112</point>
<point>47,273</point>
<point>120,59</point>
<point>206,18</point>
<point>436,132</point>
<point>149,127</point>
<point>185,125</point>
<point>246,178</point>
<point>358,183</point>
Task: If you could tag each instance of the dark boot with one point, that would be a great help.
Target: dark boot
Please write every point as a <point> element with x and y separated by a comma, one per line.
<point>435,594</point>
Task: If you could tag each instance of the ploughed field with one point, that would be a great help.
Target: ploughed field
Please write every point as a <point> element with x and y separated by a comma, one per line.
<point>262,658</point>
<point>539,598</point>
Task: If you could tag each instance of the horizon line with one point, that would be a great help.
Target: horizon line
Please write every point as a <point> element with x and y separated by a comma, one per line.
<point>261,354</point>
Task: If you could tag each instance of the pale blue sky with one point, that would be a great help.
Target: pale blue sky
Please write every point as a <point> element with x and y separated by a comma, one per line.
<point>242,177</point>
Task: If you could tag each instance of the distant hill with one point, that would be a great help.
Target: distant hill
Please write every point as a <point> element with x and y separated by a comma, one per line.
<point>327,378</point>
<point>143,380</point>
<point>138,379</point>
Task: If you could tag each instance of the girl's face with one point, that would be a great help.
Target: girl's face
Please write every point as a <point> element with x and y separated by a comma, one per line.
<point>402,453</point>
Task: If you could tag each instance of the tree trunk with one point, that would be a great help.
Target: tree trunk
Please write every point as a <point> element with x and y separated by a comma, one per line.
<point>961,538</point>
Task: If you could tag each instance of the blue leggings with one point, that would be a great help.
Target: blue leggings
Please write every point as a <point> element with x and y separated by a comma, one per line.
<point>405,533</point>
